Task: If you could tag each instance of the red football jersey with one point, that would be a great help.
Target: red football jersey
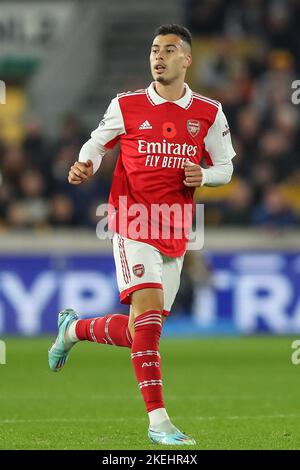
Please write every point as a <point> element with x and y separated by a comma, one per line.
<point>156,138</point>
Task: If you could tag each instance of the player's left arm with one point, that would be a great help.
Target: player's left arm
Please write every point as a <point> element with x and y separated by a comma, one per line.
<point>219,148</point>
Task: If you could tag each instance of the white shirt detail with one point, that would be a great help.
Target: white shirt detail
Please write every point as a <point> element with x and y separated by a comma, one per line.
<point>111,126</point>
<point>218,145</point>
<point>157,99</point>
<point>217,175</point>
<point>218,141</point>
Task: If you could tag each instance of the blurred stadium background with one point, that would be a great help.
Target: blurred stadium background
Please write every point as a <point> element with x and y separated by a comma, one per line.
<point>62,62</point>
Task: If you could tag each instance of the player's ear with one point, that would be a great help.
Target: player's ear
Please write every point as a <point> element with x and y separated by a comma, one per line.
<point>188,60</point>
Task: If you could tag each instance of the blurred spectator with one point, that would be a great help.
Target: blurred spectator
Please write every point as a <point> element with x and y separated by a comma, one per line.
<point>276,149</point>
<point>62,211</point>
<point>12,165</point>
<point>16,215</point>
<point>33,191</point>
<point>205,17</point>
<point>236,210</point>
<point>262,175</point>
<point>273,212</point>
<point>34,147</point>
<point>71,132</point>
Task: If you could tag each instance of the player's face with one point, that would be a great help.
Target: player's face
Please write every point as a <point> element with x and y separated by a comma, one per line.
<point>169,58</point>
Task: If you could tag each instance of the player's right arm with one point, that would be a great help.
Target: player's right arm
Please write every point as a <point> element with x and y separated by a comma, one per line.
<point>80,172</point>
<point>102,139</point>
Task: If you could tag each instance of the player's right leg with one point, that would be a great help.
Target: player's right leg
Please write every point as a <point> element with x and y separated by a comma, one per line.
<point>59,352</point>
<point>110,329</point>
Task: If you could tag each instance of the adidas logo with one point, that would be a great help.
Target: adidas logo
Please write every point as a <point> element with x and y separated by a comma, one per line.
<point>145,125</point>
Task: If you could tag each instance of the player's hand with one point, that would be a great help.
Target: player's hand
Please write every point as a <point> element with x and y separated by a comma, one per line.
<point>193,174</point>
<point>80,172</point>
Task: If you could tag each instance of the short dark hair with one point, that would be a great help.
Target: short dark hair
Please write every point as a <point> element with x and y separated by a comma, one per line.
<point>176,29</point>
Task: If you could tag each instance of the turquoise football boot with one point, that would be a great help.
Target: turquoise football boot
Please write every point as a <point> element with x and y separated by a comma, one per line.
<point>174,439</point>
<point>58,353</point>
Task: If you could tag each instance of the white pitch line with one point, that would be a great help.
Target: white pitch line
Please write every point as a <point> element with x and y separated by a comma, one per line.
<point>199,418</point>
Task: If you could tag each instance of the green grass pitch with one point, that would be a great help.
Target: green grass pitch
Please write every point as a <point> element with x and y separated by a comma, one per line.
<point>235,393</point>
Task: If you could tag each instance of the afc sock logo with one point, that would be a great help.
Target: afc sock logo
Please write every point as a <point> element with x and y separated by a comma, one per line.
<point>150,364</point>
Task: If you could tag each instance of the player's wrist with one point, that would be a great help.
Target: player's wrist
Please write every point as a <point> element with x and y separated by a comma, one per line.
<point>204,177</point>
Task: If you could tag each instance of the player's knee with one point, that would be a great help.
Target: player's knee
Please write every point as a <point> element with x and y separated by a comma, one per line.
<point>147,299</point>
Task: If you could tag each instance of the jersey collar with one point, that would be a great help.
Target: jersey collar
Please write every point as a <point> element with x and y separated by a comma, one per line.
<point>183,102</point>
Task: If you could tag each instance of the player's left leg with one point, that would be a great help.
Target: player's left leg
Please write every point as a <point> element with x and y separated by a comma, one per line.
<point>159,431</point>
<point>145,324</point>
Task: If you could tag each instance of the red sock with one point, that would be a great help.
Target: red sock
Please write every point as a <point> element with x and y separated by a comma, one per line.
<point>110,329</point>
<point>146,359</point>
